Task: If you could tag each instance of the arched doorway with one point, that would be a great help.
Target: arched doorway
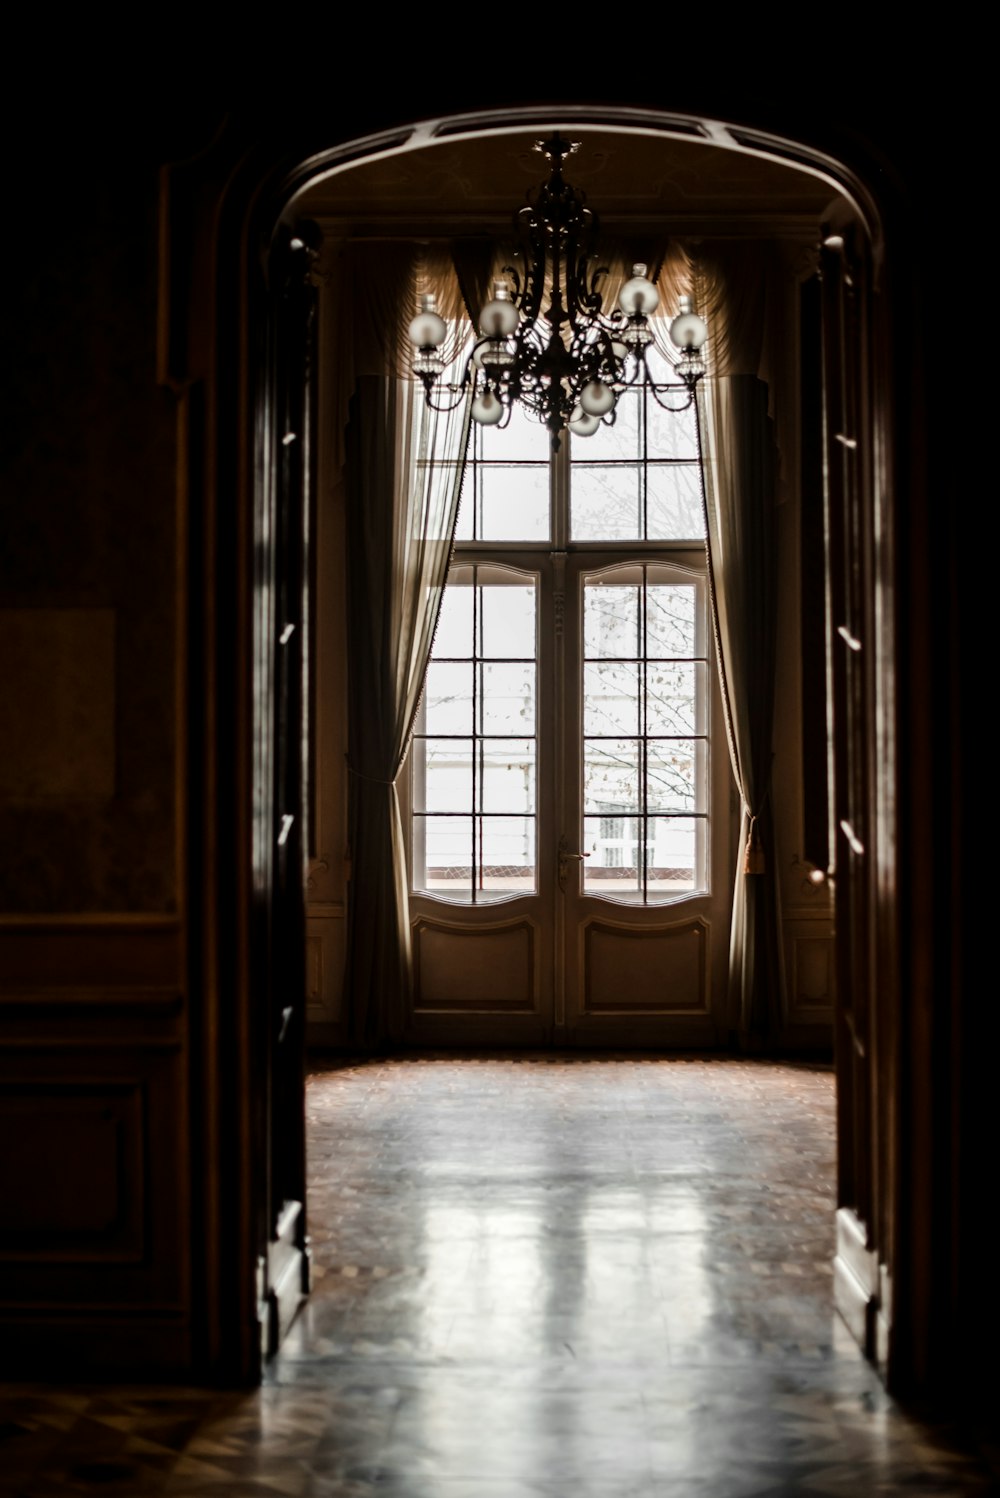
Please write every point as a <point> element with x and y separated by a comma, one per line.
<point>246,832</point>
<point>756,223</point>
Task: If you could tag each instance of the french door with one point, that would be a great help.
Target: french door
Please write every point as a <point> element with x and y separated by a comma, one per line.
<point>568,796</point>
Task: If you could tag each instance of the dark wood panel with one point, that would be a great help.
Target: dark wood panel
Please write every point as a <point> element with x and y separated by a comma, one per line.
<point>73,1187</point>
<point>654,970</point>
<point>95,1199</point>
<point>92,951</point>
<point>482,969</point>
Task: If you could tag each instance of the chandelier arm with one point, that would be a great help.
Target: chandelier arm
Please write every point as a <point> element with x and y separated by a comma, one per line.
<point>547,343</point>
<point>687,386</point>
<point>434,396</point>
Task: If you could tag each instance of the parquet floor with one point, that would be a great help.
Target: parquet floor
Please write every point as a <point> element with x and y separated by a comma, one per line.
<point>569,1277</point>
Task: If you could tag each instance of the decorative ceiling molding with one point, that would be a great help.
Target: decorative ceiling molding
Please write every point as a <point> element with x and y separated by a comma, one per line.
<point>436,188</point>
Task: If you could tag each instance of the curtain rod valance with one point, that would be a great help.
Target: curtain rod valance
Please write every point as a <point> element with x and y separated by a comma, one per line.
<point>740,288</point>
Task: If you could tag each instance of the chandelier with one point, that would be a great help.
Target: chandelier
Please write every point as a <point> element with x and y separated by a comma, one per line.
<point>545,340</point>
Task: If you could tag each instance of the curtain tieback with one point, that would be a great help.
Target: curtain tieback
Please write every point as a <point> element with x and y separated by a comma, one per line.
<point>375,779</point>
<point>753,857</point>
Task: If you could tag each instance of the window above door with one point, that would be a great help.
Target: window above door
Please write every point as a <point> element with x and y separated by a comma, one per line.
<point>637,479</point>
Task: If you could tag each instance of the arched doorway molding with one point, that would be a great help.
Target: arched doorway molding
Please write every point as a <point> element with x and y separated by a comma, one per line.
<point>223,214</point>
<point>739,139</point>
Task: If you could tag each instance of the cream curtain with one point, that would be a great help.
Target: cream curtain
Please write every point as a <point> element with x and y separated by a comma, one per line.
<point>402,471</point>
<point>734,288</point>
<point>404,477</point>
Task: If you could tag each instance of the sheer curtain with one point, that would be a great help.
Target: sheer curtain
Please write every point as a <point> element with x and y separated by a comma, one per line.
<point>733,288</point>
<point>404,465</point>
<point>401,468</point>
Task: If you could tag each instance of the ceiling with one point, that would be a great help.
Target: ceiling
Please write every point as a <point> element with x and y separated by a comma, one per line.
<point>630,180</point>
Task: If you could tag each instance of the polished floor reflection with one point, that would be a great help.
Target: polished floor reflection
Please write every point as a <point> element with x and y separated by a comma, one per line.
<point>536,1276</point>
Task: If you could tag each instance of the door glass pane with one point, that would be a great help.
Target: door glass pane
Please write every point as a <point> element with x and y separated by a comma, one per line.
<point>445,783</point>
<point>507,854</point>
<point>611,621</point>
<point>475,751</point>
<point>611,776</point>
<point>675,855</point>
<point>448,698</point>
<point>675,697</point>
<point>611,698</point>
<point>508,622</point>
<point>670,619</point>
<point>447,848</point>
<point>508,698</point>
<point>672,777</point>
<point>611,869</point>
<point>645,734</point>
<point>508,775</point>
<point>454,630</point>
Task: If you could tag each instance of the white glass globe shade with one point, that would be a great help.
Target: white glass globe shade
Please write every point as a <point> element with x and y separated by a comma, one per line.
<point>638,296</point>
<point>487,409</point>
<point>498,319</point>
<point>585,425</point>
<point>688,330</point>
<point>597,399</point>
<point>427,330</point>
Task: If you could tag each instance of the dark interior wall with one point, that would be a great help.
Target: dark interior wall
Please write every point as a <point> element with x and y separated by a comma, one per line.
<point>88,574</point>
<point>96,1200</point>
<point>90,592</point>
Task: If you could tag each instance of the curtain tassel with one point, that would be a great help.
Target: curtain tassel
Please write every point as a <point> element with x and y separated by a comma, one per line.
<point>753,857</point>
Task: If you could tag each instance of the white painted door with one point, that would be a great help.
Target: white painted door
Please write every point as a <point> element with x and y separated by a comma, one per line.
<point>643,880</point>
<point>568,796</point>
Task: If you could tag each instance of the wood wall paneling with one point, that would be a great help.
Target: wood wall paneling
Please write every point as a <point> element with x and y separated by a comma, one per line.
<point>326,937</point>
<point>96,1194</point>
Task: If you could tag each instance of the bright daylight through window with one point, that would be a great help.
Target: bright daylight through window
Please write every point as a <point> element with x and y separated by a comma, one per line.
<point>628,728</point>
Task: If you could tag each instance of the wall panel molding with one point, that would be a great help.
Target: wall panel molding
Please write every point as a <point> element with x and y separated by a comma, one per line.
<point>326,943</point>
<point>102,951</point>
<point>95,1204</point>
<point>810,974</point>
<point>73,1190</point>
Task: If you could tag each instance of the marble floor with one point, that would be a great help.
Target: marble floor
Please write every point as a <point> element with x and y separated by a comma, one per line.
<point>536,1277</point>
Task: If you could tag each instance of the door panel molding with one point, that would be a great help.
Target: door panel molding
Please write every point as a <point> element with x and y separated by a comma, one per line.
<point>491,967</point>
<point>646,965</point>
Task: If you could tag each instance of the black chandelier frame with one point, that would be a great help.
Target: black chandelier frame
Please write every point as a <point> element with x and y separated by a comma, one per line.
<point>556,351</point>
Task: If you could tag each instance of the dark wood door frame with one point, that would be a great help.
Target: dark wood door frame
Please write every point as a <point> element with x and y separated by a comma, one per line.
<point>223,212</point>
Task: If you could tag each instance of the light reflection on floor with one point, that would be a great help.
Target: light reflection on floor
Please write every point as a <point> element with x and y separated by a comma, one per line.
<point>536,1276</point>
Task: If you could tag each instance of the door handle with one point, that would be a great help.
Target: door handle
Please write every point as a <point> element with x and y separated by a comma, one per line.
<point>286,1015</point>
<point>565,854</point>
